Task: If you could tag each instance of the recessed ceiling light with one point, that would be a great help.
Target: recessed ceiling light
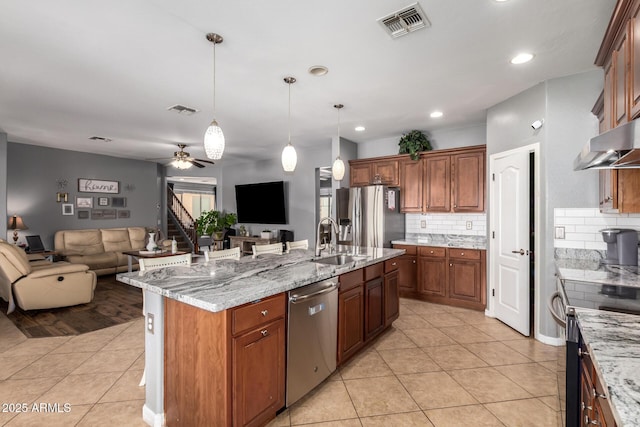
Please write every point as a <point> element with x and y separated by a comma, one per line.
<point>436,114</point>
<point>360,128</point>
<point>318,70</point>
<point>500,1</point>
<point>521,58</point>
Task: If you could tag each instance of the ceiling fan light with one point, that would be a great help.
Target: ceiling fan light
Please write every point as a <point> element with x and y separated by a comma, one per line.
<point>338,169</point>
<point>181,164</point>
<point>214,141</point>
<point>289,158</point>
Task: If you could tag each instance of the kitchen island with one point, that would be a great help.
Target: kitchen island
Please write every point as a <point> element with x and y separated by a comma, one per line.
<point>200,326</point>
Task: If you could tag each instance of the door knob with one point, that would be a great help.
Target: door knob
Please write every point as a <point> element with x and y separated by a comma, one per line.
<point>521,252</point>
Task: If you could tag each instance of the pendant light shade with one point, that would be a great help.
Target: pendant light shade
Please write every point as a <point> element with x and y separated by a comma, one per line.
<point>214,141</point>
<point>289,156</point>
<point>337,170</point>
<point>213,137</point>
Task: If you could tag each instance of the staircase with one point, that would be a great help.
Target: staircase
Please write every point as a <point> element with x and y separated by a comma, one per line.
<point>174,231</point>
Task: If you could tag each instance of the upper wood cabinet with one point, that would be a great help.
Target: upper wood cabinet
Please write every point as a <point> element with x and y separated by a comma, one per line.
<point>366,172</point>
<point>411,184</point>
<point>468,181</point>
<point>437,184</point>
<point>634,60</point>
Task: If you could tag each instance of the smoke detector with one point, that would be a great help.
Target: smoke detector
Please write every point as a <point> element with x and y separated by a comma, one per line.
<point>404,21</point>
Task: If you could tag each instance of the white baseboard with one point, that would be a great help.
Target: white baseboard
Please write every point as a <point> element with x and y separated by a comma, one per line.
<point>555,341</point>
<point>151,418</point>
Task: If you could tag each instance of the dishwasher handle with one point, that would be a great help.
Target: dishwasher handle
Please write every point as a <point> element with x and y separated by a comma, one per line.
<point>294,299</point>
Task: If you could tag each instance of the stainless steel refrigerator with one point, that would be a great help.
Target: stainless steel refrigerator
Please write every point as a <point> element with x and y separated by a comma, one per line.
<point>369,216</point>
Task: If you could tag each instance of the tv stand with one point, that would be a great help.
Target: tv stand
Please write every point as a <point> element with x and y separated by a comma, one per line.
<point>245,243</point>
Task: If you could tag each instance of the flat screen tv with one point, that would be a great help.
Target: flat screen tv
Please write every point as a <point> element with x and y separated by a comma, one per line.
<point>261,203</point>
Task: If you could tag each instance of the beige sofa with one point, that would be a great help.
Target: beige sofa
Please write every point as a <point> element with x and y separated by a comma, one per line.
<point>38,285</point>
<point>100,248</point>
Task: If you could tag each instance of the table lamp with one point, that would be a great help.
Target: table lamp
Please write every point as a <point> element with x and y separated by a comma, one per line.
<point>15,224</point>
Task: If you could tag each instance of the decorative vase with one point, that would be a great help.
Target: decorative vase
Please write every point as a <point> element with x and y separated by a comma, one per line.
<point>152,242</point>
<point>265,234</point>
<point>218,235</point>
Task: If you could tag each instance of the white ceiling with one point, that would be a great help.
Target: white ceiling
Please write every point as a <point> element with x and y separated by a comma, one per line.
<point>72,69</point>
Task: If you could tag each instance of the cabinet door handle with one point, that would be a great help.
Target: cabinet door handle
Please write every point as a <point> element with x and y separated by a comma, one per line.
<point>414,261</point>
<point>455,206</point>
<point>597,395</point>
<point>393,263</point>
<point>582,353</point>
<point>430,252</point>
<point>264,332</point>
<point>264,312</point>
<point>461,253</point>
<point>450,265</point>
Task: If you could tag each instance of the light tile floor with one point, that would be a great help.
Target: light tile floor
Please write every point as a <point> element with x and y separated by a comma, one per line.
<point>437,366</point>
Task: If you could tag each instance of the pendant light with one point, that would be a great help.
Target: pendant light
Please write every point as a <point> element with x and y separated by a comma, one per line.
<point>213,137</point>
<point>338,165</point>
<point>289,156</point>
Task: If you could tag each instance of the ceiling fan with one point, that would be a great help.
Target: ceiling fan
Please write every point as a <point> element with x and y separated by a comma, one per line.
<point>182,160</point>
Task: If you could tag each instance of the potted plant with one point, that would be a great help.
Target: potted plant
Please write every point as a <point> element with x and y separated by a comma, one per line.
<point>213,223</point>
<point>413,143</point>
<point>266,234</point>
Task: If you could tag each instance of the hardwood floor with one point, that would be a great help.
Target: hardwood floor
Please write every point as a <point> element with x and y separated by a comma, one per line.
<point>113,303</point>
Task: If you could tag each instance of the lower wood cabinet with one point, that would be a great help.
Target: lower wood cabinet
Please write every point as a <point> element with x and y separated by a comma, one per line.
<point>594,405</point>
<point>350,321</point>
<point>391,296</point>
<point>225,368</point>
<point>407,270</point>
<point>373,307</point>
<point>446,276</point>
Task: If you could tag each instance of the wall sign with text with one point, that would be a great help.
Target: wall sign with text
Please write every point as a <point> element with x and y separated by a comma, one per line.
<point>86,185</point>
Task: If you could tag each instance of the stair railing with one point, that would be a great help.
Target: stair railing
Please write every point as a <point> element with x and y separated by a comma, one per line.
<point>183,218</point>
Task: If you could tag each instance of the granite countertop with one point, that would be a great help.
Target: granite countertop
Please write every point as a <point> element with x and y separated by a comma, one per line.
<point>593,271</point>
<point>444,240</point>
<point>613,341</point>
<point>221,284</point>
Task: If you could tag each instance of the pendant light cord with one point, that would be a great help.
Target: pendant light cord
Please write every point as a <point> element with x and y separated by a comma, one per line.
<point>214,80</point>
<point>289,119</point>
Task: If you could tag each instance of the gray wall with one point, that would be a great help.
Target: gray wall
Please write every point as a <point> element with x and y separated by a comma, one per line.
<point>31,188</point>
<point>565,105</point>
<point>3,188</point>
<point>473,134</point>
<point>301,188</point>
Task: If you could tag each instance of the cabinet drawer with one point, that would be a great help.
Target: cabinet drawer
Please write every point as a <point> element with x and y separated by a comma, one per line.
<point>351,280</point>
<point>254,314</point>
<point>373,271</point>
<point>464,253</point>
<point>410,249</point>
<point>432,251</point>
<point>390,265</point>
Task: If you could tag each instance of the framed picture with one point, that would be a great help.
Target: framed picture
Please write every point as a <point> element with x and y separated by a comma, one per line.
<point>119,202</point>
<point>83,214</point>
<point>86,185</point>
<point>103,201</point>
<point>108,214</point>
<point>84,202</point>
<point>67,209</point>
<point>124,213</point>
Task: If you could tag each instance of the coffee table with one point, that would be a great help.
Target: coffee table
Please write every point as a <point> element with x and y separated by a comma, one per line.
<point>144,254</point>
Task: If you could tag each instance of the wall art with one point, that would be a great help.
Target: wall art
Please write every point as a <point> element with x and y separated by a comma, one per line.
<point>84,202</point>
<point>86,185</point>
<point>67,209</point>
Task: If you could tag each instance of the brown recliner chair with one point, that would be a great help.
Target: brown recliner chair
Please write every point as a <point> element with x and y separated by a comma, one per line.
<point>58,284</point>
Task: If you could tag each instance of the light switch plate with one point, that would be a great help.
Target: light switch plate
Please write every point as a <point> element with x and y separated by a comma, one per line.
<point>423,224</point>
<point>469,225</point>
<point>559,232</point>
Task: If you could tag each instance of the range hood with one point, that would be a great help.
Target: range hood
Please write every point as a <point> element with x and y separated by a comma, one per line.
<point>617,148</point>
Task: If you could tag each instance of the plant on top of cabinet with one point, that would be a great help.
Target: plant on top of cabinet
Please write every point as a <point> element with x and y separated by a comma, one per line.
<point>413,143</point>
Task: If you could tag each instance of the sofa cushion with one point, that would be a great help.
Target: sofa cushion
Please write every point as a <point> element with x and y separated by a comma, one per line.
<point>83,242</point>
<point>116,240</point>
<point>95,261</point>
<point>137,236</point>
<point>17,257</point>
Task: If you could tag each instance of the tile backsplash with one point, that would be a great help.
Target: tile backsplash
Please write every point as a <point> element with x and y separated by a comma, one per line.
<point>582,227</point>
<point>446,224</point>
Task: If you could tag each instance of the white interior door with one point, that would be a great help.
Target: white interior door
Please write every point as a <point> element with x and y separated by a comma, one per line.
<point>509,262</point>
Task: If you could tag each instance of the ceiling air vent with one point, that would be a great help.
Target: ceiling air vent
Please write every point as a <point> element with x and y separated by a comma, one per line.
<point>187,111</point>
<point>405,21</point>
<point>99,138</point>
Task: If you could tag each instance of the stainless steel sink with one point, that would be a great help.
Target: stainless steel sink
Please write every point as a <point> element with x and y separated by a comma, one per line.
<point>339,259</point>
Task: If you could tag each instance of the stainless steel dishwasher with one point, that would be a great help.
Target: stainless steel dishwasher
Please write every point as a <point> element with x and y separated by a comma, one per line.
<point>312,337</point>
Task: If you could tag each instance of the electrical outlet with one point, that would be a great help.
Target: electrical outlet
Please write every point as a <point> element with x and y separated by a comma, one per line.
<point>150,323</point>
<point>423,224</point>
<point>559,232</point>
<point>469,225</point>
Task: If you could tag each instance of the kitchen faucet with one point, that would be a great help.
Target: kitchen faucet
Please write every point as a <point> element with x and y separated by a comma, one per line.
<point>334,226</point>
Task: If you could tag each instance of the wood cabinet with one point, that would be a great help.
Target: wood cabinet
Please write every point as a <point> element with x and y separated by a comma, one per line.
<point>407,270</point>
<point>391,292</point>
<point>224,368</point>
<point>634,60</point>
<point>411,185</point>
<point>468,181</point>
<point>452,276</point>
<point>368,171</point>
<point>437,185</point>
<point>595,408</point>
<point>350,314</point>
